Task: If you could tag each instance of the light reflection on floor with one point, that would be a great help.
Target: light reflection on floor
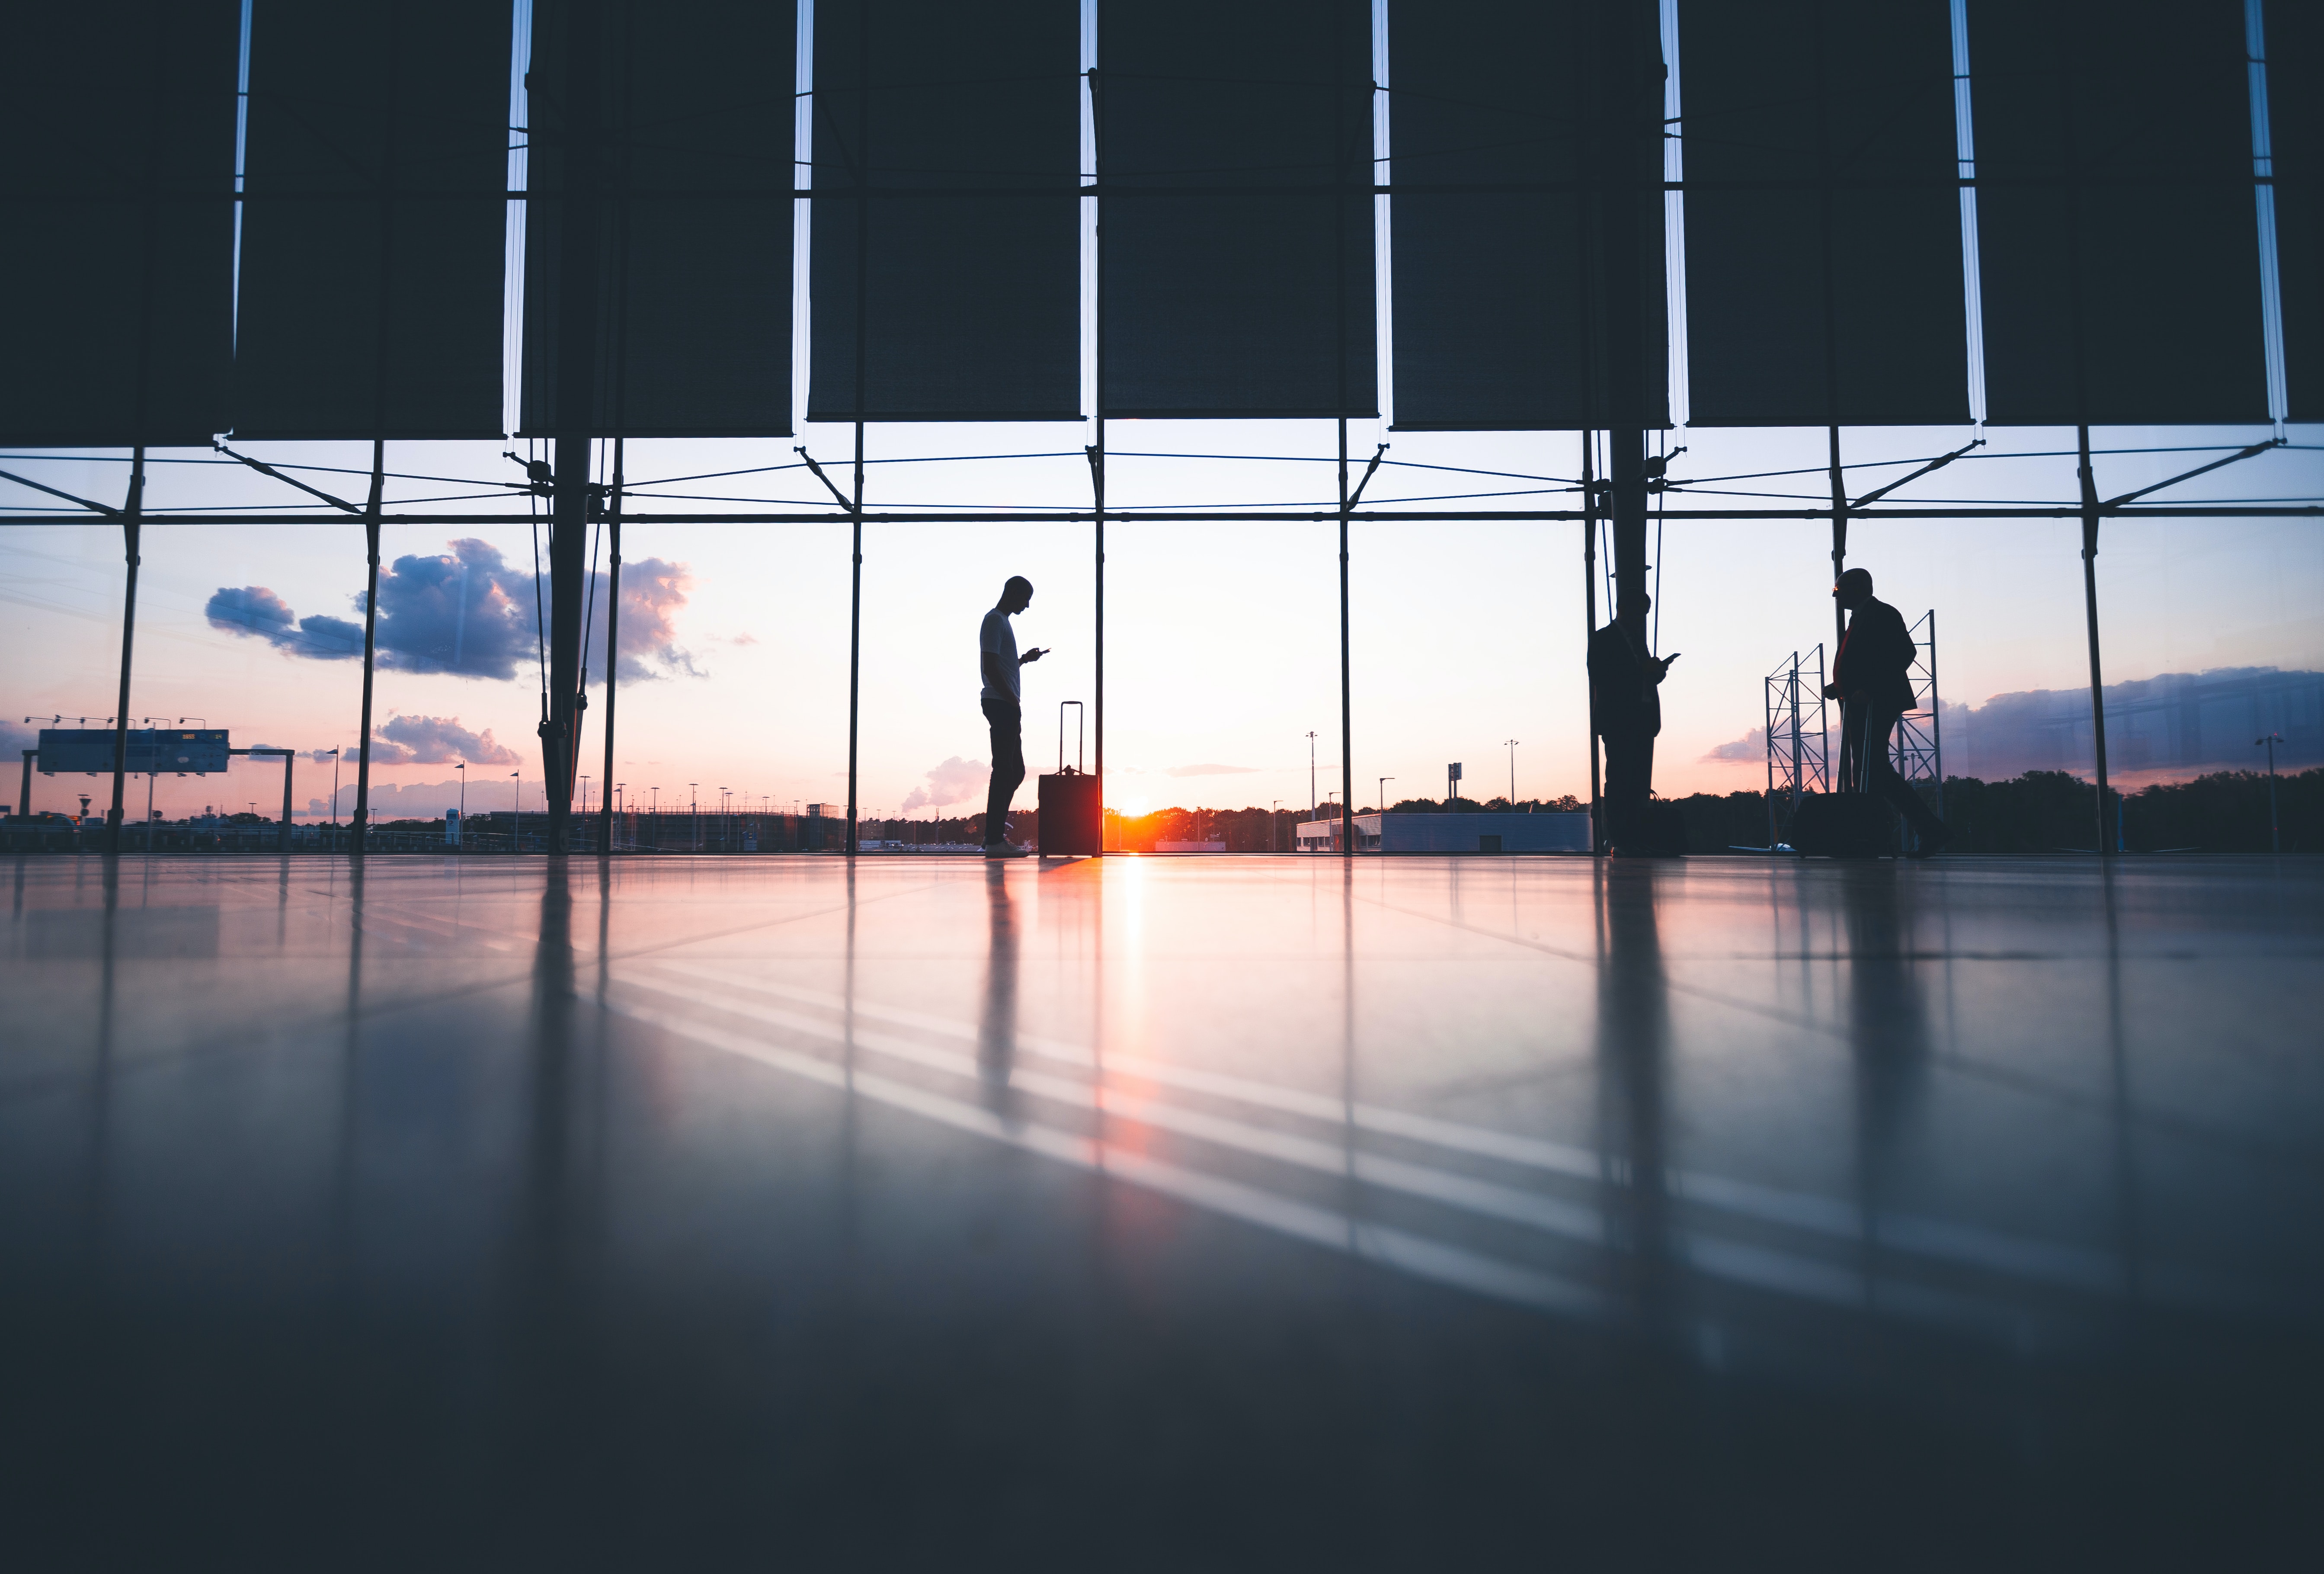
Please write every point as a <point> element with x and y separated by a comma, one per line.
<point>929,1205</point>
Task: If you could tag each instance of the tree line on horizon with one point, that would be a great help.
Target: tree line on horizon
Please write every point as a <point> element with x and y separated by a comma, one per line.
<point>2041,812</point>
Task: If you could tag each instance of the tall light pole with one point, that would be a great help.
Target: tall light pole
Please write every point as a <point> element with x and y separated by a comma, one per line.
<point>516,826</point>
<point>1513,773</point>
<point>694,813</point>
<point>1384,781</point>
<point>463,768</point>
<point>1275,827</point>
<point>1311,775</point>
<point>2274,836</point>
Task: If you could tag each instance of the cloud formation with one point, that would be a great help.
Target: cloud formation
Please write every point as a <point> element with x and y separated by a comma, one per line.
<point>2167,727</point>
<point>951,782</point>
<point>1211,770</point>
<point>1750,749</point>
<point>436,740</point>
<point>430,800</point>
<point>257,611</point>
<point>468,612</point>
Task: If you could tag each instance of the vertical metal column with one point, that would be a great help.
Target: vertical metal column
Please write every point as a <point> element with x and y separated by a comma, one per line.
<point>613,649</point>
<point>855,599</point>
<point>132,514</point>
<point>862,283</point>
<point>1097,482</point>
<point>1097,449</point>
<point>578,307</point>
<point>1839,539</point>
<point>289,758</point>
<point>359,823</point>
<point>1936,718</point>
<point>1631,111</point>
<point>1590,624</point>
<point>1347,707</point>
<point>2091,613</point>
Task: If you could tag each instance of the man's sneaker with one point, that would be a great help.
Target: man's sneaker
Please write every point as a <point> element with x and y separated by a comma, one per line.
<point>1006,850</point>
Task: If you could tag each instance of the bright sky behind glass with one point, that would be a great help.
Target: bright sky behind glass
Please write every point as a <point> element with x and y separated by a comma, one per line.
<point>1221,640</point>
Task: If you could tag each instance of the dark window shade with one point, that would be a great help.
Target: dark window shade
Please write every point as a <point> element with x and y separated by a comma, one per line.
<point>2116,241</point>
<point>970,142</point>
<point>1824,260</point>
<point>1501,310</point>
<point>1235,250</point>
<point>117,125</point>
<point>2295,104</point>
<point>688,323</point>
<point>374,237</point>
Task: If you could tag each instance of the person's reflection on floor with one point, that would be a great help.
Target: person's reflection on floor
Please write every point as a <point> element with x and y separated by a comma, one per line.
<point>1888,1028</point>
<point>996,1030</point>
<point>1633,1044</point>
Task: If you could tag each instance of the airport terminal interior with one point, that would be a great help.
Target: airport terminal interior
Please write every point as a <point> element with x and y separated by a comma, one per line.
<point>1163,1213</point>
<point>1666,1166</point>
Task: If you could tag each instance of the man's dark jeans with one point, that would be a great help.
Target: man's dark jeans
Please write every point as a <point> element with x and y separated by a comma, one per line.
<point>1866,765</point>
<point>1629,784</point>
<point>1007,766</point>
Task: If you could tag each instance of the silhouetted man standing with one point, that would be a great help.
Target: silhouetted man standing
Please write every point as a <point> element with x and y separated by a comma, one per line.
<point>1872,679</point>
<point>997,657</point>
<point>1626,710</point>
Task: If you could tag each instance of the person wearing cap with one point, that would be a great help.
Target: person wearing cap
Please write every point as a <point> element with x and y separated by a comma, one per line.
<point>1872,679</point>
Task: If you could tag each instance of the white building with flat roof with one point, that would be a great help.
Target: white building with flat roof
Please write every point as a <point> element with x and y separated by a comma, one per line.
<point>1451,833</point>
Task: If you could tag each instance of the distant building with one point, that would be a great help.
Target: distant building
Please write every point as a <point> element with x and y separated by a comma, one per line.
<point>1452,833</point>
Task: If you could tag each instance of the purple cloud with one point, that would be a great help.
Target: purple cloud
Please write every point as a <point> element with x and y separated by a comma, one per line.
<point>437,740</point>
<point>467,611</point>
<point>953,781</point>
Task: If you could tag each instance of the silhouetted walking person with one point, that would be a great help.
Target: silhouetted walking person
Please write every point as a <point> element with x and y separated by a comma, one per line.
<point>997,658</point>
<point>1626,710</point>
<point>1872,679</point>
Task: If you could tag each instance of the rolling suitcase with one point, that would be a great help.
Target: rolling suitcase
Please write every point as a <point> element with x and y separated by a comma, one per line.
<point>1842,825</point>
<point>1072,813</point>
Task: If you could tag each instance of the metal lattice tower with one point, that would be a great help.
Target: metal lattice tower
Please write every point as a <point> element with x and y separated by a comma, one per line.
<point>1917,748</point>
<point>1796,756</point>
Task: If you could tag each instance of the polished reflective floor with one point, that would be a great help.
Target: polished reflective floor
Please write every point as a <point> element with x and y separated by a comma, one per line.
<point>1162,1214</point>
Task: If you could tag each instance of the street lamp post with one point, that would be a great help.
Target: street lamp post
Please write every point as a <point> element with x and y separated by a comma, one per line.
<point>1311,775</point>
<point>2274,835</point>
<point>463,768</point>
<point>1275,827</point>
<point>693,815</point>
<point>516,824</point>
<point>1513,773</point>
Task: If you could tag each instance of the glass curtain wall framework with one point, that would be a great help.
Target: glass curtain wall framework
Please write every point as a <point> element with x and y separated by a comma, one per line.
<point>1882,498</point>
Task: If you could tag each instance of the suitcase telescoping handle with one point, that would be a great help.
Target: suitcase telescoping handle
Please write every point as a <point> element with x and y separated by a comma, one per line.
<point>1080,715</point>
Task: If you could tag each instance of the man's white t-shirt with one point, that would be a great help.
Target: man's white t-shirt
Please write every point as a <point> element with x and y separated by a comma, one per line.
<point>998,637</point>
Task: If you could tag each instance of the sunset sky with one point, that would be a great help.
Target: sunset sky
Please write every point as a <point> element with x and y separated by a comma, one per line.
<point>1222,640</point>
